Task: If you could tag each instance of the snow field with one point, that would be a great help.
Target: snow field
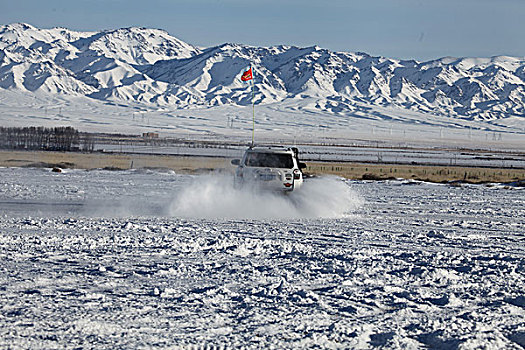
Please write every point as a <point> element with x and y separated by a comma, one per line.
<point>405,265</point>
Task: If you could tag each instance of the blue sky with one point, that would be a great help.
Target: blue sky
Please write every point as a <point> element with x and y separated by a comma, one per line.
<point>419,29</point>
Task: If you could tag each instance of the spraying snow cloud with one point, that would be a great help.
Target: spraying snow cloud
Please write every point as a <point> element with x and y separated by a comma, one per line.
<point>214,196</point>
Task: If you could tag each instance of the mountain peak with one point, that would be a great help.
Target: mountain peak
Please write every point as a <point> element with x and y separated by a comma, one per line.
<point>138,45</point>
<point>18,26</point>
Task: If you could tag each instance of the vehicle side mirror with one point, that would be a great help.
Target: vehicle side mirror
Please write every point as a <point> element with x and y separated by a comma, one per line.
<point>236,161</point>
<point>302,165</point>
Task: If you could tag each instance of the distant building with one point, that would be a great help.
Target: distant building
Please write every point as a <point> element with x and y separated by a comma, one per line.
<point>150,135</point>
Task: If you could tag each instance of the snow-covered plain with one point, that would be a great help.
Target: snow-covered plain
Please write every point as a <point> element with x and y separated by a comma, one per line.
<point>287,121</point>
<point>140,259</point>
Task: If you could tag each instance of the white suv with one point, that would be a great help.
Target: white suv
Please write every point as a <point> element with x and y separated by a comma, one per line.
<point>274,168</point>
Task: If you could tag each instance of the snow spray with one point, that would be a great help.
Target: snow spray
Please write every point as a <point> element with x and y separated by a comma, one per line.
<point>214,196</point>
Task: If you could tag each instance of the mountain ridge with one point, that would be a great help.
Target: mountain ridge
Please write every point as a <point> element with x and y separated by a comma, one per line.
<point>149,66</point>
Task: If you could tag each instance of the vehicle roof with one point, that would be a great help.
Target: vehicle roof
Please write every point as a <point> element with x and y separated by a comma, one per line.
<point>270,149</point>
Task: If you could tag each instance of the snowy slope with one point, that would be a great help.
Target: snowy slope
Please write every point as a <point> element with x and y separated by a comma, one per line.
<point>466,88</point>
<point>136,45</point>
<point>62,61</point>
<point>99,81</point>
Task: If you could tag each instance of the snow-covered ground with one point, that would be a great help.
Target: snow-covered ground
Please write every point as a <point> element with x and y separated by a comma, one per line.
<point>287,122</point>
<point>140,259</point>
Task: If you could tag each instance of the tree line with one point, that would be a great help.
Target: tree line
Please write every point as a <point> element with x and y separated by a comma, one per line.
<point>62,138</point>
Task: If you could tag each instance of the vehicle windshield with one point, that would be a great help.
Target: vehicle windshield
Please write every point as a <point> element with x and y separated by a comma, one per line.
<point>269,160</point>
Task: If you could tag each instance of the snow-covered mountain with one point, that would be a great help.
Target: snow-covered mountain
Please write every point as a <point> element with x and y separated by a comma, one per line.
<point>148,66</point>
<point>59,60</point>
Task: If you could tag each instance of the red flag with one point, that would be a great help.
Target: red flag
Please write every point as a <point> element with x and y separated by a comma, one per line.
<point>247,75</point>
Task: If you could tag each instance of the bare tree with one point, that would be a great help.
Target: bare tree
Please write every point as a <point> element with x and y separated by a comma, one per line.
<point>32,138</point>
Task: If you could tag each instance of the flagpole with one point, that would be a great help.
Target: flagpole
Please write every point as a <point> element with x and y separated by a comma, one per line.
<point>248,75</point>
<point>253,106</point>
